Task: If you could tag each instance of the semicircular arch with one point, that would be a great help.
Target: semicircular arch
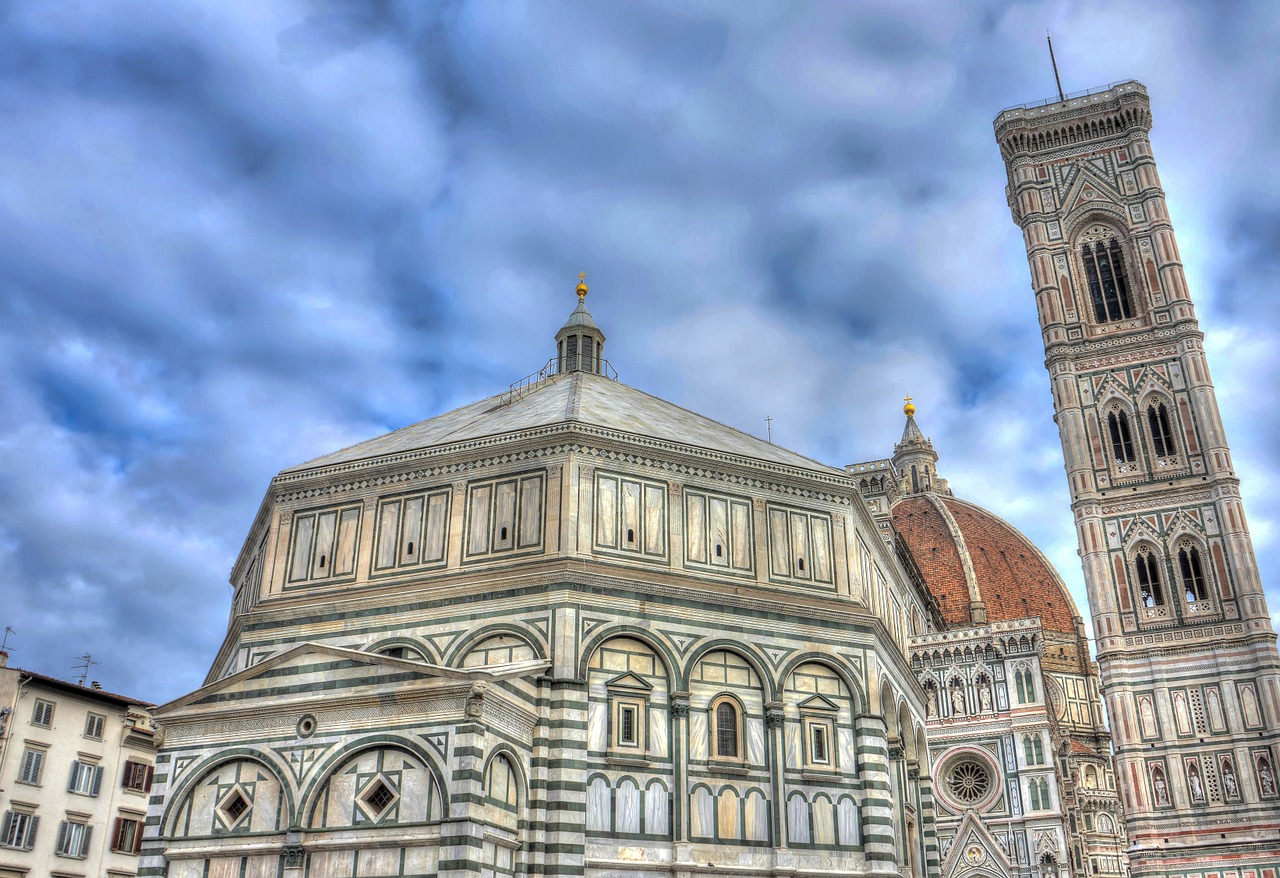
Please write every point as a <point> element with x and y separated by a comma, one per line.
<point>645,636</point>
<point>852,683</point>
<point>526,634</point>
<point>344,754</point>
<point>203,769</point>
<point>746,653</point>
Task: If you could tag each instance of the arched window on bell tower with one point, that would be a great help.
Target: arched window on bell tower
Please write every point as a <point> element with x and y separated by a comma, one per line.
<point>1121,436</point>
<point>1191,569</point>
<point>1105,275</point>
<point>1161,432</point>
<point>1147,568</point>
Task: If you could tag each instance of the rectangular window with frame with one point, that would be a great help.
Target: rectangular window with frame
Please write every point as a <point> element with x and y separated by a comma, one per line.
<point>819,733</point>
<point>32,767</point>
<point>137,776</point>
<point>324,543</point>
<point>42,713</point>
<point>19,830</point>
<point>800,545</point>
<point>628,724</point>
<point>126,836</point>
<point>93,724</point>
<point>73,839</point>
<point>86,779</point>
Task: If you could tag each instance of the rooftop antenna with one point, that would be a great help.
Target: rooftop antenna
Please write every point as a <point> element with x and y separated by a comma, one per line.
<point>1054,62</point>
<point>86,662</point>
<point>768,425</point>
<point>4,647</point>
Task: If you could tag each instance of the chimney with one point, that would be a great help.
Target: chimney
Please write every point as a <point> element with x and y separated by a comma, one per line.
<point>96,686</point>
<point>4,659</point>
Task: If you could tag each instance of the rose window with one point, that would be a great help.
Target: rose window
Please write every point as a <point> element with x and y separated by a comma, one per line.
<point>969,782</point>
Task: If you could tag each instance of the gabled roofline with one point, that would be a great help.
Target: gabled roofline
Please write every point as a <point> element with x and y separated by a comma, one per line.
<point>490,674</point>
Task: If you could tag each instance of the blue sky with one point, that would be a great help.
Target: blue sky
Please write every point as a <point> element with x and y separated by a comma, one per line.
<point>234,236</point>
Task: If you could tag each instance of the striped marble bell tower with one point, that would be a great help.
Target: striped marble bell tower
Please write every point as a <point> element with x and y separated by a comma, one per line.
<point>1184,641</point>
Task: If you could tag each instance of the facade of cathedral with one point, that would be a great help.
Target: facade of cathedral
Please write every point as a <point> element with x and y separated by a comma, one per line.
<point>1184,640</point>
<point>571,629</point>
<point>1021,754</point>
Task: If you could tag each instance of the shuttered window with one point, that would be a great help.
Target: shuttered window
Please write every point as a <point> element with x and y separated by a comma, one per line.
<point>137,776</point>
<point>126,836</point>
<point>73,840</point>
<point>19,830</point>
<point>32,767</point>
<point>85,779</point>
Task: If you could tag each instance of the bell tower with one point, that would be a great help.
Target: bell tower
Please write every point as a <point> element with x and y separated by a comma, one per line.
<point>1184,641</point>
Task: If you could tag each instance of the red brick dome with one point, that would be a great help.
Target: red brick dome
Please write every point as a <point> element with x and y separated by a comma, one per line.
<point>965,551</point>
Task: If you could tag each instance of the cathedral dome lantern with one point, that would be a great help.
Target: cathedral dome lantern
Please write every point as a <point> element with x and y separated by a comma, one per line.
<point>915,460</point>
<point>580,343</point>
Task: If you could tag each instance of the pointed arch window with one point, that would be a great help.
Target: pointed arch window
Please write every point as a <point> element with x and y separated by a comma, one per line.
<point>1192,570</point>
<point>1149,587</point>
<point>1108,285</point>
<point>1121,437</point>
<point>1161,433</point>
<point>1033,749</point>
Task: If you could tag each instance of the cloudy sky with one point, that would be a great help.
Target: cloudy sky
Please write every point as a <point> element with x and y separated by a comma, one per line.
<point>234,236</point>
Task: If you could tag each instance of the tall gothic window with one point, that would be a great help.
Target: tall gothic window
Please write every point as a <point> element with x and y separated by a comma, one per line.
<point>1192,570</point>
<point>1121,437</point>
<point>1161,434</point>
<point>1148,570</point>
<point>1108,286</point>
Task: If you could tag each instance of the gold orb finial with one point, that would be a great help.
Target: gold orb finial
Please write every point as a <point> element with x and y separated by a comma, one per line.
<point>909,410</point>
<point>582,286</point>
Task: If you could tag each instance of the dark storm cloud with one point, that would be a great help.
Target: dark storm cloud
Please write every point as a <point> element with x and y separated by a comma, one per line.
<point>236,236</point>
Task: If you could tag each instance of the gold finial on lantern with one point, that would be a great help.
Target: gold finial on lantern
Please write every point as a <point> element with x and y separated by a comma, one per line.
<point>582,286</point>
<point>909,410</point>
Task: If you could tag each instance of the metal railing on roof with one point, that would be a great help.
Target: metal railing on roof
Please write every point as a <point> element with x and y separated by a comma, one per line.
<point>554,369</point>
<point>1070,96</point>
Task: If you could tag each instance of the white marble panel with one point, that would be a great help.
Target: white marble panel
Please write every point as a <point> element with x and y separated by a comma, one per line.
<point>755,741</point>
<point>655,540</point>
<point>695,528</point>
<point>186,869</point>
<point>224,867</point>
<point>607,511</point>
<point>411,534</point>
<point>824,820</point>
<point>478,523</point>
<point>740,535</point>
<point>344,554</point>
<point>415,795</point>
<point>530,511</point>
<point>437,525</point>
<point>597,725</point>
<point>658,732</point>
<point>797,819</point>
<point>756,817</point>
<point>262,867</point>
<point>599,805</point>
<point>421,861</point>
<point>626,803</point>
<point>847,821</point>
<point>697,735</point>
<point>847,754</point>
<point>791,745</point>
<point>702,815</point>
<point>656,808</point>
<point>388,534</point>
<point>728,814</point>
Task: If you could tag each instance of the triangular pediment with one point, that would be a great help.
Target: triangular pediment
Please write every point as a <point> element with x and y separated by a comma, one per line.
<point>817,702</point>
<point>317,670</point>
<point>629,681</point>
<point>1089,186</point>
<point>975,852</point>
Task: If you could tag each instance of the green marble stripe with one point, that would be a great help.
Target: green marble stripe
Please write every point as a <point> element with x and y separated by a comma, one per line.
<point>458,866</point>
<point>464,750</point>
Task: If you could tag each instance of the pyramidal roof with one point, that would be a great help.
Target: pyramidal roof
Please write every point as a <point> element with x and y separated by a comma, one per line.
<point>578,397</point>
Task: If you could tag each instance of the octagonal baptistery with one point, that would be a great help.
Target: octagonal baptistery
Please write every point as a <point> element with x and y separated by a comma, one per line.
<point>571,629</point>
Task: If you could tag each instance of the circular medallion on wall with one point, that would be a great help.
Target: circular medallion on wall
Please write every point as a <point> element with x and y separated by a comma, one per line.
<point>306,726</point>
